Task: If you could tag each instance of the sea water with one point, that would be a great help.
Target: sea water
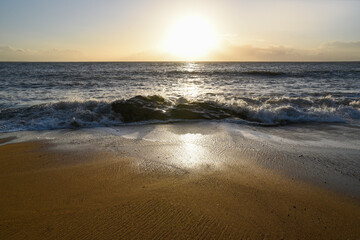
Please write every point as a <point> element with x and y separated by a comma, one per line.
<point>45,96</point>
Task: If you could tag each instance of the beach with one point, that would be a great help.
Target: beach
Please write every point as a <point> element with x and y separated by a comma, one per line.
<point>180,120</point>
<point>178,181</point>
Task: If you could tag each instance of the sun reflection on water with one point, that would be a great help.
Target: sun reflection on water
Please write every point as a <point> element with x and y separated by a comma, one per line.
<point>190,91</point>
<point>189,86</point>
<point>190,67</point>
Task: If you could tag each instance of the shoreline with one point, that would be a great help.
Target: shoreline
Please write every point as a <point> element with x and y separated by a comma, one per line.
<point>136,188</point>
<point>320,154</point>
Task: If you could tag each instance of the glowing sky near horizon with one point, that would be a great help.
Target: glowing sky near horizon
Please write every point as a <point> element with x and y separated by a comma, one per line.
<point>140,30</point>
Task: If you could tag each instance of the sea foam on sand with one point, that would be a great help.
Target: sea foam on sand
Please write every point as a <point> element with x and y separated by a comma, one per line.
<point>325,154</point>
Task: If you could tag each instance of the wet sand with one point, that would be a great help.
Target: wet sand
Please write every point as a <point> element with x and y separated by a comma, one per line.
<point>47,193</point>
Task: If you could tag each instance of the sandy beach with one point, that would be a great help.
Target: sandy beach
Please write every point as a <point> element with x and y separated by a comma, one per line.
<point>81,192</point>
<point>176,120</point>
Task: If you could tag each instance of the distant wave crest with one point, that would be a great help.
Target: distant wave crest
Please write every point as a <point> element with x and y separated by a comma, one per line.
<point>264,73</point>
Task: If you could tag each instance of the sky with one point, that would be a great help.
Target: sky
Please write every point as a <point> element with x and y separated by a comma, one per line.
<point>159,30</point>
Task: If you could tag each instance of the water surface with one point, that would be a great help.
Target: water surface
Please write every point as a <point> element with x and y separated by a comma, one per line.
<point>40,96</point>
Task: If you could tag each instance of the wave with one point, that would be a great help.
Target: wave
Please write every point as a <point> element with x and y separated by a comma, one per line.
<point>272,111</point>
<point>264,73</point>
<point>230,73</point>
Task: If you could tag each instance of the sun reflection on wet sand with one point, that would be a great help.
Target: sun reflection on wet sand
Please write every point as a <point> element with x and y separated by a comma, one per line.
<point>182,148</point>
<point>191,154</point>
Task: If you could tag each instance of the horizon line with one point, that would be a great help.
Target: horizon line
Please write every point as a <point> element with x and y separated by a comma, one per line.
<point>185,61</point>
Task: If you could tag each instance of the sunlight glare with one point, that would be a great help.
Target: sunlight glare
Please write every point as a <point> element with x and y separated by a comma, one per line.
<point>190,38</point>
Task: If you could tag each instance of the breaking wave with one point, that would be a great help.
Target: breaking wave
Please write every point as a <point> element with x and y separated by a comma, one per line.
<point>271,111</point>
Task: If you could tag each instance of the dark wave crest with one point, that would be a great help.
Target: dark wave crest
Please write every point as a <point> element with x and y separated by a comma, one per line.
<point>264,111</point>
<point>142,108</point>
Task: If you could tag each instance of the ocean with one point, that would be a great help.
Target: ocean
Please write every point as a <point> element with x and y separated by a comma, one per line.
<point>46,96</point>
<point>297,119</point>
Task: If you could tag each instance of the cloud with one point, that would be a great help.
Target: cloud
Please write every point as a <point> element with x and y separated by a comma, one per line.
<point>251,53</point>
<point>343,45</point>
<point>340,51</point>
<point>330,51</point>
<point>8,53</point>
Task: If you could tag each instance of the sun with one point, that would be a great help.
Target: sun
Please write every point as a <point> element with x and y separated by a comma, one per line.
<point>190,38</point>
